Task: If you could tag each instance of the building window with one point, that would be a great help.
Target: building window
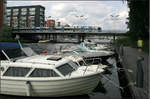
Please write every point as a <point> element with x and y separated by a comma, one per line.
<point>44,73</point>
<point>32,17</point>
<point>17,71</point>
<point>15,10</point>
<point>32,13</point>
<point>24,10</point>
<point>41,18</point>
<point>41,9</point>
<point>23,13</point>
<point>41,13</point>
<point>15,21</point>
<point>15,13</point>
<point>23,21</point>
<point>8,11</point>
<point>8,19</point>
<point>32,9</point>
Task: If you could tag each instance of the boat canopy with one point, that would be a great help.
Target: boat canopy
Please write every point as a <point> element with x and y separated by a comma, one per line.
<point>6,46</point>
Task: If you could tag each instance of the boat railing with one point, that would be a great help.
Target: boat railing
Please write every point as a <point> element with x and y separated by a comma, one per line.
<point>37,63</point>
<point>85,70</point>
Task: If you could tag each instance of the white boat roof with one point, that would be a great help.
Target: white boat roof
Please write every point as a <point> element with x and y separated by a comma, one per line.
<point>40,61</point>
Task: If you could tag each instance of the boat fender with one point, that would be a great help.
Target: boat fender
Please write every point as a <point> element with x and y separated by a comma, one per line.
<point>28,88</point>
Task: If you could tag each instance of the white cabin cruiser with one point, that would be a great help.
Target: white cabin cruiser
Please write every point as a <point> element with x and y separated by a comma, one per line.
<point>90,55</point>
<point>94,46</point>
<point>46,76</point>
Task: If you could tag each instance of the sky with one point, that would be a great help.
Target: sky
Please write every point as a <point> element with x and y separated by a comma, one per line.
<point>84,13</point>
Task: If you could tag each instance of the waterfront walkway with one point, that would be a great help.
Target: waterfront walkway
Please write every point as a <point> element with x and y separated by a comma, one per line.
<point>129,58</point>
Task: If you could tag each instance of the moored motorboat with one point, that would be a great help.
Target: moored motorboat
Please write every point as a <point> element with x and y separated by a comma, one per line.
<point>90,56</point>
<point>46,76</point>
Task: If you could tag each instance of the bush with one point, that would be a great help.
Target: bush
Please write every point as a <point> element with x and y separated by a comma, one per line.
<point>125,41</point>
<point>5,34</point>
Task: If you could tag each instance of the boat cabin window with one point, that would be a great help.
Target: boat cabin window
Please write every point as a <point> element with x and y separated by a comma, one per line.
<point>66,69</point>
<point>74,65</point>
<point>17,71</point>
<point>43,73</point>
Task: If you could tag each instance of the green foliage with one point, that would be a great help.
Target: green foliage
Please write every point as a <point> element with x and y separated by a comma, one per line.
<point>5,34</point>
<point>146,46</point>
<point>138,19</point>
<point>124,41</point>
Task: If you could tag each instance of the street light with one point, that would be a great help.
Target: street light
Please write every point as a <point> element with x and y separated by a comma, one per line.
<point>114,18</point>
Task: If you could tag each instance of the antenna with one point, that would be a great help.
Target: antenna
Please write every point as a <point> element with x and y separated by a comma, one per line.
<point>5,55</point>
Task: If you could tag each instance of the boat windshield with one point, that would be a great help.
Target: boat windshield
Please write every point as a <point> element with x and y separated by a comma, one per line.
<point>81,49</point>
<point>14,53</point>
<point>66,69</point>
<point>18,53</point>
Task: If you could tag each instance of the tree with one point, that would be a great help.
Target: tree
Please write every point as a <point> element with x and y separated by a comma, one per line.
<point>138,19</point>
<point>5,33</point>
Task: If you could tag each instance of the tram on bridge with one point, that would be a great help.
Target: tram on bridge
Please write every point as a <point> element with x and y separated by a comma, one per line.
<point>62,28</point>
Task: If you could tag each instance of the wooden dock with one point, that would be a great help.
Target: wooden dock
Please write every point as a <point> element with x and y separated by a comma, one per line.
<point>128,57</point>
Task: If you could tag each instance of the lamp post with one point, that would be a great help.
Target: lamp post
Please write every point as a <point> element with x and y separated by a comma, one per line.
<point>114,18</point>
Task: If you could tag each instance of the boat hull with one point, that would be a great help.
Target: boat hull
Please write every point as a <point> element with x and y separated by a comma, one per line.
<point>50,88</point>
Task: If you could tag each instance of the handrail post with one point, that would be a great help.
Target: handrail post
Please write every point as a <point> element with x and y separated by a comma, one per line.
<point>139,72</point>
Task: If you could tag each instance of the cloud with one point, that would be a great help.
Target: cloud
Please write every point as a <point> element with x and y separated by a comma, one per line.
<point>83,12</point>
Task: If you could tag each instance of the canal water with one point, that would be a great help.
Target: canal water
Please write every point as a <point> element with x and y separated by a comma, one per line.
<point>108,88</point>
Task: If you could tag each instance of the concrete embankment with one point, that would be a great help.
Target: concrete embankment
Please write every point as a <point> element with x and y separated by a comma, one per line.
<point>131,61</point>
